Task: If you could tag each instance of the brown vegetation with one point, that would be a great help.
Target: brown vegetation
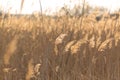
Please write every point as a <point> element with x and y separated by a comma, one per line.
<point>59,49</point>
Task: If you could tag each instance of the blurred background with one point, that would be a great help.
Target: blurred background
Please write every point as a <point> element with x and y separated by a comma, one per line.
<point>53,6</point>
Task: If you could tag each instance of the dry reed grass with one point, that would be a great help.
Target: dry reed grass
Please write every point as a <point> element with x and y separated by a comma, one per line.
<point>11,48</point>
<point>62,49</point>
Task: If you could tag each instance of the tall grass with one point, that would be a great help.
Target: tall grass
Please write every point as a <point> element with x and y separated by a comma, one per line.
<point>63,50</point>
<point>21,7</point>
<point>58,49</point>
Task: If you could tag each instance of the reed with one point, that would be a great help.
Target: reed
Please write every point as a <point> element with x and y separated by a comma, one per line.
<point>57,49</point>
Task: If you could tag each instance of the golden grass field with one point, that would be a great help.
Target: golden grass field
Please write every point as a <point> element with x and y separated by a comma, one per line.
<point>59,49</point>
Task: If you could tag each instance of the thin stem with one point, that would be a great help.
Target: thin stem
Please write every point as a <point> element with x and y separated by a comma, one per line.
<point>40,6</point>
<point>82,14</point>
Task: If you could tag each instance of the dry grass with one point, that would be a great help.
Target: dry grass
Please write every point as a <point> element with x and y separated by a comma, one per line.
<point>11,48</point>
<point>60,48</point>
<point>21,7</point>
